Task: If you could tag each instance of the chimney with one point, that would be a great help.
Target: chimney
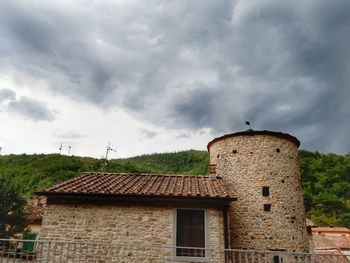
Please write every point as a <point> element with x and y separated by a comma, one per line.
<point>212,171</point>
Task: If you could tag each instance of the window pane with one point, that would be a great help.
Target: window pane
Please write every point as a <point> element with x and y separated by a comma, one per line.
<point>266,191</point>
<point>190,233</point>
<point>277,259</point>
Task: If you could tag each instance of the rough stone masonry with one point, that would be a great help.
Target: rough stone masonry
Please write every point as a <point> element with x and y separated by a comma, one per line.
<point>248,162</point>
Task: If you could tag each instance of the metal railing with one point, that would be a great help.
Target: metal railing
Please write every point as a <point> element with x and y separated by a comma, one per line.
<point>47,251</point>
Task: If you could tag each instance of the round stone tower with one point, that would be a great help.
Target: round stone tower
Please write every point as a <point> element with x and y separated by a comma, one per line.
<point>261,169</point>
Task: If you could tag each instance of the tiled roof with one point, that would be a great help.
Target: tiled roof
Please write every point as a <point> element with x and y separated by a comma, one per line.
<point>341,242</point>
<point>324,254</point>
<point>324,242</point>
<point>36,207</point>
<point>321,242</point>
<point>331,229</point>
<point>125,184</point>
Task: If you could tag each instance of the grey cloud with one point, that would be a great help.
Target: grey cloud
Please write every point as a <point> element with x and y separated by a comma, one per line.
<point>192,108</point>
<point>7,94</point>
<point>28,108</point>
<point>69,135</point>
<point>148,134</point>
<point>32,109</point>
<point>183,135</point>
<point>190,65</point>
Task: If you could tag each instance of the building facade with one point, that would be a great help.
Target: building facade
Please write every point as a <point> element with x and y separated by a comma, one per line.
<point>140,209</point>
<point>252,199</point>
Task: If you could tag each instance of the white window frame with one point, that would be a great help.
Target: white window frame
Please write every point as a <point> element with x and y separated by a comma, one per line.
<point>206,258</point>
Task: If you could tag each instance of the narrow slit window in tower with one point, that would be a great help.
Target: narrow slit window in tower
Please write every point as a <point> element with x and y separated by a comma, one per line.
<point>278,150</point>
<point>267,207</point>
<point>266,191</point>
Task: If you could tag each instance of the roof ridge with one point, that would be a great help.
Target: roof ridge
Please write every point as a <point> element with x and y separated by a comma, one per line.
<point>147,174</point>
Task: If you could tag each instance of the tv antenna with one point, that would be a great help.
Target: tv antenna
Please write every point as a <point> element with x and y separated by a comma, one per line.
<point>108,150</point>
<point>60,148</point>
<point>69,148</point>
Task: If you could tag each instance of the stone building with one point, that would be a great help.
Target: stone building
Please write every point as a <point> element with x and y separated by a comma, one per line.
<point>261,169</point>
<point>252,199</point>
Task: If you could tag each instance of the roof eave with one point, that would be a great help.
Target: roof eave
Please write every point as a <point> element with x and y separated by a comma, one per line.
<point>44,193</point>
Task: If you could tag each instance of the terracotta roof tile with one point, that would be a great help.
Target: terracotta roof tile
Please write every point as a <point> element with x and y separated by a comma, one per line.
<point>331,229</point>
<point>36,207</point>
<point>142,185</point>
<point>341,242</point>
<point>322,242</point>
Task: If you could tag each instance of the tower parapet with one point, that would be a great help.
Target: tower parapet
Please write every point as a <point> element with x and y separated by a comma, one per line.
<point>261,168</point>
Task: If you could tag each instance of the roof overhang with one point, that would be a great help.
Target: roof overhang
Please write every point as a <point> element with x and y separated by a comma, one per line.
<point>144,200</point>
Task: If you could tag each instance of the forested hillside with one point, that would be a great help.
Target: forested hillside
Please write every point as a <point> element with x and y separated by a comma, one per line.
<point>326,177</point>
<point>326,187</point>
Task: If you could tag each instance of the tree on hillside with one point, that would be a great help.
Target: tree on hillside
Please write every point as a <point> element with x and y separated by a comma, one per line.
<point>12,211</point>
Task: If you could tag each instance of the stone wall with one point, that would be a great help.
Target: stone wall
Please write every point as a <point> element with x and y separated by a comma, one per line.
<point>122,225</point>
<point>248,163</point>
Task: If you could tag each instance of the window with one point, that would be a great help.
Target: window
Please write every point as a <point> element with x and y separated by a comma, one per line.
<point>190,232</point>
<point>277,259</point>
<point>266,191</point>
<point>267,207</point>
<point>212,168</point>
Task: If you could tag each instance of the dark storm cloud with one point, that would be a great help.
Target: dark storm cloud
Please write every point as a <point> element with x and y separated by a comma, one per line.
<point>31,109</point>
<point>283,65</point>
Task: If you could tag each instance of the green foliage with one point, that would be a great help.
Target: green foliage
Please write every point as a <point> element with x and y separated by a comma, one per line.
<point>38,171</point>
<point>185,162</point>
<point>325,177</point>
<point>326,186</point>
<point>12,210</point>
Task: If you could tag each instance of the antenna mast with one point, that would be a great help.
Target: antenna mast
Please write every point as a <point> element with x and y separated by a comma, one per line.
<point>108,150</point>
<point>60,148</point>
<point>69,148</point>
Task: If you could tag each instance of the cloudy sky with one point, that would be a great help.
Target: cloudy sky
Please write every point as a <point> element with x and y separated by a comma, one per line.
<point>155,76</point>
